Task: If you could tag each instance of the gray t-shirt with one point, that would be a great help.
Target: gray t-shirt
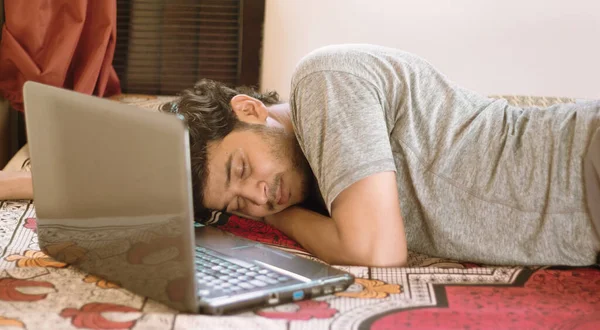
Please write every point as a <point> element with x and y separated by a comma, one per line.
<point>478,179</point>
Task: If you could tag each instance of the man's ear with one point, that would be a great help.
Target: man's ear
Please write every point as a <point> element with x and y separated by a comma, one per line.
<point>249,109</point>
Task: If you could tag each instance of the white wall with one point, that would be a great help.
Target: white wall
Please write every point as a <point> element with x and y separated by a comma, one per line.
<point>533,47</point>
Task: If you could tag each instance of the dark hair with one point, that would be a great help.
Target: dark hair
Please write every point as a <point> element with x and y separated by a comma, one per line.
<point>206,108</point>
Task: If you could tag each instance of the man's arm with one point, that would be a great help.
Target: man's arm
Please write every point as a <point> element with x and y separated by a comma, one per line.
<point>366,227</point>
<point>15,185</point>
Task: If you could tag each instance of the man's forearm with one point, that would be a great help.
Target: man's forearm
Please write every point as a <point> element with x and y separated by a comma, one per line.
<point>15,185</point>
<point>316,233</point>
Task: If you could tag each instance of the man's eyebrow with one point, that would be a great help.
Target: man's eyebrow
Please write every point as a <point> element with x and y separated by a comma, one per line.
<point>228,170</point>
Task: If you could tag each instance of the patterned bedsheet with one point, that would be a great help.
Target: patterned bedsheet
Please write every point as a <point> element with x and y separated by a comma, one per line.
<point>38,292</point>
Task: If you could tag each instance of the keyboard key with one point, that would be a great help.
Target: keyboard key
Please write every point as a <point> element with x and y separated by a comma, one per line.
<point>221,274</point>
<point>258,283</point>
<point>212,272</point>
<point>203,292</point>
<point>266,279</point>
<point>228,271</point>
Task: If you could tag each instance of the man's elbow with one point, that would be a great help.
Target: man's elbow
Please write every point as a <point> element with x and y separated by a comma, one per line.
<point>382,251</point>
<point>387,259</point>
<point>376,257</point>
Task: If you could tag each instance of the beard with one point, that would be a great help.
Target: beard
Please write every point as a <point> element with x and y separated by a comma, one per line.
<point>285,148</point>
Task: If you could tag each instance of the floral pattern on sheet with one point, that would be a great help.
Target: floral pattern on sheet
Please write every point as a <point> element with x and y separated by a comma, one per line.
<point>302,310</point>
<point>437,294</point>
<point>31,258</point>
<point>39,292</point>
<point>11,323</point>
<point>100,282</point>
<point>30,224</point>
<point>370,289</point>
<point>93,316</point>
<point>12,289</point>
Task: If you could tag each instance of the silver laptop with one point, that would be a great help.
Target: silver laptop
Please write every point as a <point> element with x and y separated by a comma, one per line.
<point>113,197</point>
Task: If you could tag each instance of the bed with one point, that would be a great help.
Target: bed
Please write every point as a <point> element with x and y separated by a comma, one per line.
<point>39,292</point>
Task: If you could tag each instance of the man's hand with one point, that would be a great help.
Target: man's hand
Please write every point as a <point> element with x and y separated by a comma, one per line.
<point>15,185</point>
<point>366,228</point>
<point>316,233</point>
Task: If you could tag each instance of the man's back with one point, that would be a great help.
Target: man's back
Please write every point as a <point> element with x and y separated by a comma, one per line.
<point>477,179</point>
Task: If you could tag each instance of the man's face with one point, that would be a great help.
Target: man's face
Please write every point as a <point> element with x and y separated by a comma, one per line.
<point>256,172</point>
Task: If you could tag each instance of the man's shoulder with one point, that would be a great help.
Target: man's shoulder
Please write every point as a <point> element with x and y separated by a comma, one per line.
<point>355,59</point>
<point>331,58</point>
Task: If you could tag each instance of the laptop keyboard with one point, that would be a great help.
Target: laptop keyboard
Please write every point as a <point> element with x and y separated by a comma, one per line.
<point>217,274</point>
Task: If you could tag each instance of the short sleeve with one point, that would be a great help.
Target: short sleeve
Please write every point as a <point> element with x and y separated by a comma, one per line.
<point>339,119</point>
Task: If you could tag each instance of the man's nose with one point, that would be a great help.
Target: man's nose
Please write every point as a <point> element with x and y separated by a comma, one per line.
<point>256,192</point>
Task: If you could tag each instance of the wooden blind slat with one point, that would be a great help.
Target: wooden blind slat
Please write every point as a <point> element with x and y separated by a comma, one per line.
<point>164,46</point>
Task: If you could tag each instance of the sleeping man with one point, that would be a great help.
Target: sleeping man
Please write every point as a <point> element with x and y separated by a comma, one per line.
<point>401,157</point>
<point>377,152</point>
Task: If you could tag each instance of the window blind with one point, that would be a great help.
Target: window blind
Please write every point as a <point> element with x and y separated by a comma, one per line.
<point>164,46</point>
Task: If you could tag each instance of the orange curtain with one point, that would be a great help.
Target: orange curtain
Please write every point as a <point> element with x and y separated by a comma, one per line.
<point>64,43</point>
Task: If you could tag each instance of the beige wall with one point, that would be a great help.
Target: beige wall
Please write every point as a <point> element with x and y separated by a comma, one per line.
<point>535,47</point>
